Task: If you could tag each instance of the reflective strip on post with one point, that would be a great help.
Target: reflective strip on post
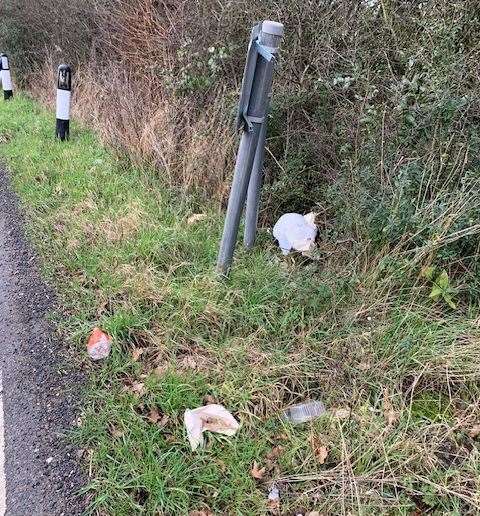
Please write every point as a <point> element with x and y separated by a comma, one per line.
<point>63,104</point>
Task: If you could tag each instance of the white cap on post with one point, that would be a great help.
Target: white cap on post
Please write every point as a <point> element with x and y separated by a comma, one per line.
<point>271,35</point>
<point>272,27</point>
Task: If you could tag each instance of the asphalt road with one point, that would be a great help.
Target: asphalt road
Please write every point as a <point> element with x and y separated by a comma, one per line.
<point>39,472</point>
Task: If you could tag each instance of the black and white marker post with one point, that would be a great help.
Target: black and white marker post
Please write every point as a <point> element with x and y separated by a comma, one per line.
<point>6,77</point>
<point>252,118</point>
<point>64,94</point>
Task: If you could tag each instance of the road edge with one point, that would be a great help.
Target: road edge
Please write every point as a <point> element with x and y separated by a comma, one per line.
<point>41,384</point>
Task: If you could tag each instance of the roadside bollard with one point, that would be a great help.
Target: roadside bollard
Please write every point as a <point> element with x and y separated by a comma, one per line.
<point>64,93</point>
<point>6,78</point>
<point>252,114</point>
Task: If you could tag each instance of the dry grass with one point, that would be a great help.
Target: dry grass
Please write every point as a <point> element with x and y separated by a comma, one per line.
<point>193,150</point>
<point>374,125</point>
<point>162,79</point>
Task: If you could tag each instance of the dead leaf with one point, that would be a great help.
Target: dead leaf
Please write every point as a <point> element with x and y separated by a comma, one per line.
<point>474,431</point>
<point>163,422</point>
<point>273,506</point>
<point>200,513</point>
<point>154,416</point>
<point>115,432</point>
<point>138,388</point>
<point>137,353</point>
<point>222,466</point>
<point>257,472</point>
<point>196,217</point>
<point>312,513</point>
<point>101,308</point>
<point>391,417</point>
<point>275,453</point>
<point>341,413</point>
<point>160,370</point>
<point>188,362</point>
<point>322,454</point>
<point>320,451</point>
<point>209,399</point>
<point>389,413</point>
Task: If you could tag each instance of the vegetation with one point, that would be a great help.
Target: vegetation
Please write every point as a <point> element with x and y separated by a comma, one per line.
<point>367,88</point>
<point>374,126</point>
<point>398,372</point>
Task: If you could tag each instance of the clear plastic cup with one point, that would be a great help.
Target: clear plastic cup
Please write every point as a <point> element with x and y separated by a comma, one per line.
<point>303,412</point>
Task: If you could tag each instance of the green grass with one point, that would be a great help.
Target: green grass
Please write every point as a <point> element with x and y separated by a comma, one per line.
<point>117,245</point>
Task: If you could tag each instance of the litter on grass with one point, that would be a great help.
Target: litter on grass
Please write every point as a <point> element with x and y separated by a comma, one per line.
<point>273,503</point>
<point>196,217</point>
<point>214,418</point>
<point>296,232</point>
<point>304,412</point>
<point>99,344</point>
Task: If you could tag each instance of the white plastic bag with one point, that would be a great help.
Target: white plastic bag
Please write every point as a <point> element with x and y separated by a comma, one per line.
<point>295,231</point>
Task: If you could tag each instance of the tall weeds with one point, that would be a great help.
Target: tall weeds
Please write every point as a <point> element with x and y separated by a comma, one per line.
<point>374,112</point>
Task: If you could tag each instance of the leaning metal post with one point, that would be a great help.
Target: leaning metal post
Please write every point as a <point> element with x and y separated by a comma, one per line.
<point>254,190</point>
<point>255,187</point>
<point>64,93</point>
<point>253,109</point>
<point>6,78</point>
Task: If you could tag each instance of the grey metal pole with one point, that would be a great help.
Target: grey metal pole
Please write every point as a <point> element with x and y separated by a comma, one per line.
<point>270,37</point>
<point>254,190</point>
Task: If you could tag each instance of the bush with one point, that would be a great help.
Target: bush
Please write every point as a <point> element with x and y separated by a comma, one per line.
<point>30,31</point>
<point>374,119</point>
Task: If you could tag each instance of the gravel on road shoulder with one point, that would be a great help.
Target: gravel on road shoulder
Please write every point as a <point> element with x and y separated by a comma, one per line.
<point>40,384</point>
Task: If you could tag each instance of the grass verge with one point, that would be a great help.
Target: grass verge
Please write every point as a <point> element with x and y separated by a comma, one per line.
<point>398,373</point>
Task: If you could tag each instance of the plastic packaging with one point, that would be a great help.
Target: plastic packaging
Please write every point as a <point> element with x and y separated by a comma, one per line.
<point>295,231</point>
<point>304,412</point>
<point>99,344</point>
<point>214,418</point>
